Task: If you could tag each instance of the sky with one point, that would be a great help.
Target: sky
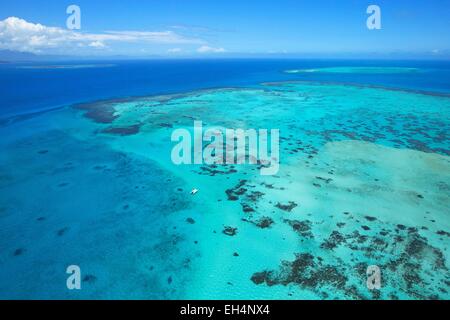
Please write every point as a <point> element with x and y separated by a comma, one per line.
<point>182,28</point>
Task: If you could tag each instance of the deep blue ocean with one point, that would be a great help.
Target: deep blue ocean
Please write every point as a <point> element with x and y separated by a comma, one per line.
<point>27,88</point>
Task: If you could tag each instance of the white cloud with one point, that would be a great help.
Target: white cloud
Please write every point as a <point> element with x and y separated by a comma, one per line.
<point>97,44</point>
<point>157,37</point>
<point>207,49</point>
<point>20,35</point>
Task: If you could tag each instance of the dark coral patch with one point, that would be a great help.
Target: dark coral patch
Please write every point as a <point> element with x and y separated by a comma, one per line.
<point>231,196</point>
<point>238,190</point>
<point>18,252</point>
<point>261,277</point>
<point>326,180</point>
<point>307,272</point>
<point>264,222</point>
<point>214,169</point>
<point>98,112</point>
<point>255,196</point>
<point>443,233</point>
<point>229,231</point>
<point>287,207</point>
<point>303,228</point>
<point>246,208</point>
<point>62,231</point>
<point>334,240</point>
<point>89,278</point>
<point>123,131</point>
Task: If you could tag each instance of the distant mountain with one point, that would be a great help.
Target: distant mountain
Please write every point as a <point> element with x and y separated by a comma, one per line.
<point>8,55</point>
<point>16,56</point>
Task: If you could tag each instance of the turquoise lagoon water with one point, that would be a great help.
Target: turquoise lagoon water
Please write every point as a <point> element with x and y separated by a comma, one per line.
<point>364,180</point>
<point>360,70</point>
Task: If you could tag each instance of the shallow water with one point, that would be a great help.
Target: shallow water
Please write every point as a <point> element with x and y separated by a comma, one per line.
<point>364,179</point>
<point>361,70</point>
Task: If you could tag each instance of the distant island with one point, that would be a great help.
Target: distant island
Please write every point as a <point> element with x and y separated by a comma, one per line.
<point>366,70</point>
<point>73,66</point>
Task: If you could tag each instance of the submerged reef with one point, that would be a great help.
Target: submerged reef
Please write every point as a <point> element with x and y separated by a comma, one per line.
<point>123,131</point>
<point>98,112</point>
<point>411,257</point>
<point>357,70</point>
<point>229,231</point>
<point>286,207</point>
<point>364,180</point>
<point>412,260</point>
<point>350,192</point>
